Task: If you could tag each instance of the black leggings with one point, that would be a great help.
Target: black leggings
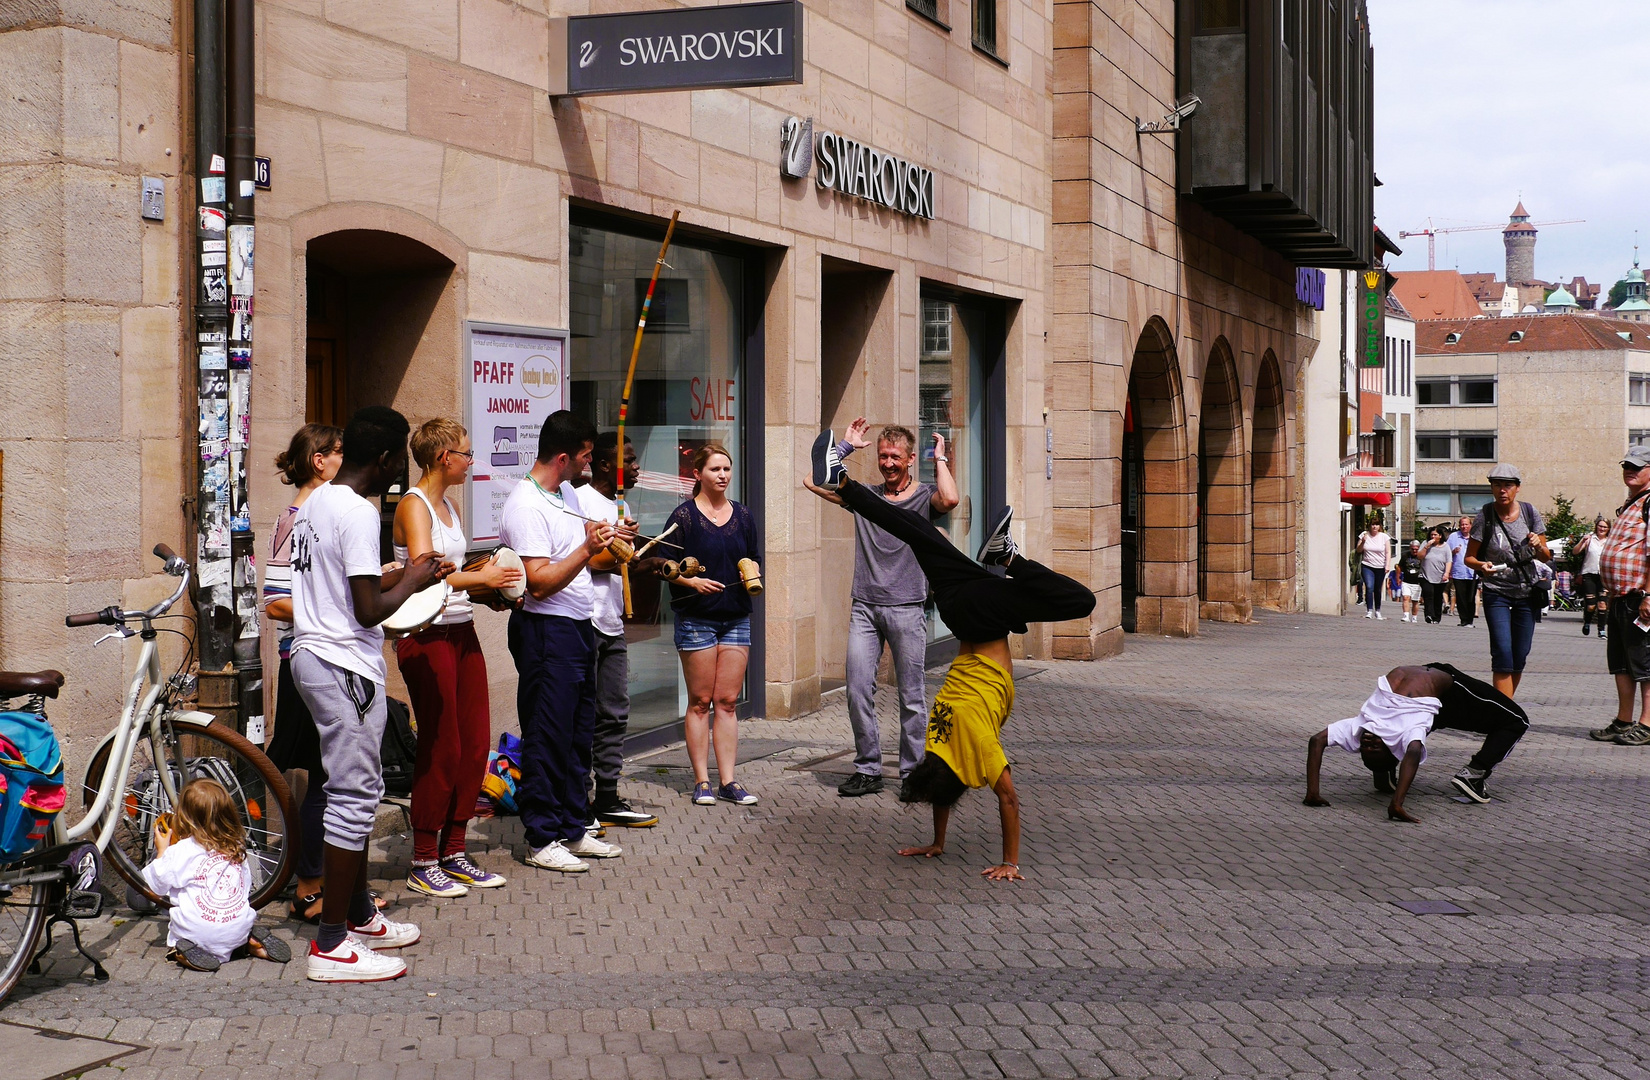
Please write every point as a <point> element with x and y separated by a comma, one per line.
<point>975,603</point>
<point>1476,706</point>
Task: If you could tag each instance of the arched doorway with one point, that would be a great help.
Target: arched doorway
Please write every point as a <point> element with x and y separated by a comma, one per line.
<point>1223,558</point>
<point>1157,524</point>
<point>1270,492</point>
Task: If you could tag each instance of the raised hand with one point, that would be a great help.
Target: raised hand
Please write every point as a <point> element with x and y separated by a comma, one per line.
<point>857,437</point>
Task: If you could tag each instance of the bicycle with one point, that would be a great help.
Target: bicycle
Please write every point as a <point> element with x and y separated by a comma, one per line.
<point>134,775</point>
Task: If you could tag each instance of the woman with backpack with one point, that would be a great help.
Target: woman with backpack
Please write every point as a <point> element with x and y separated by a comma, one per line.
<point>1508,538</point>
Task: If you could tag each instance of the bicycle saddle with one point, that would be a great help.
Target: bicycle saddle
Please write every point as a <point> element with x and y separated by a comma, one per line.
<point>18,683</point>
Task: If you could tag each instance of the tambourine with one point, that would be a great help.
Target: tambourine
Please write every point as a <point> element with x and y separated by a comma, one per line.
<point>498,599</point>
<point>419,612</point>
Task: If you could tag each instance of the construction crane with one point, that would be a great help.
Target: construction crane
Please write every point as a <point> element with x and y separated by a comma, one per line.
<point>1432,234</point>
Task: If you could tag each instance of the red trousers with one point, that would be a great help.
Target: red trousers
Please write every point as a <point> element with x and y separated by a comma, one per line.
<point>446,676</point>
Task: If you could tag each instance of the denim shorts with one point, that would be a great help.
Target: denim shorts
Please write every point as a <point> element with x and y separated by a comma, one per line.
<point>693,634</point>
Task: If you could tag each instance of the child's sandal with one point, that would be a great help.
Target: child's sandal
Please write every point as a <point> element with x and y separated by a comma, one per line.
<point>192,956</point>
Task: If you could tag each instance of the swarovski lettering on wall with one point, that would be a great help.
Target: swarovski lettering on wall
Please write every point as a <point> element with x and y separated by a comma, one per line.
<point>865,172</point>
<point>677,49</point>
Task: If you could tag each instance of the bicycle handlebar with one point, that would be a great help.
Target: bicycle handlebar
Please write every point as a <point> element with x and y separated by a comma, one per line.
<point>164,552</point>
<point>109,616</point>
<point>114,616</point>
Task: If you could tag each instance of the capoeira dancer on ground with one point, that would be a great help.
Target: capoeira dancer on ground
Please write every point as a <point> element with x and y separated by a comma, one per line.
<point>963,748</point>
<point>1390,731</point>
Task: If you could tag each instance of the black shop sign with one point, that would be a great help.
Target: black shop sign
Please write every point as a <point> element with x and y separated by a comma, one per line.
<point>677,49</point>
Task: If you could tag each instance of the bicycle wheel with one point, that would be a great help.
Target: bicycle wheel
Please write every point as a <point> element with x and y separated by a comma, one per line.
<point>190,753</point>
<point>23,913</point>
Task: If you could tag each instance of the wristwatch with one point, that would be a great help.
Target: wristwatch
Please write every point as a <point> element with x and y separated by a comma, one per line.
<point>942,457</point>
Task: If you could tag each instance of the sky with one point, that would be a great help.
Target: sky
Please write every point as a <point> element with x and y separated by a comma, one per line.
<point>1479,103</point>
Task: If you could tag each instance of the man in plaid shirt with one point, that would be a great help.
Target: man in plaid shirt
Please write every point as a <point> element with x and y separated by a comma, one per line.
<point>1624,567</point>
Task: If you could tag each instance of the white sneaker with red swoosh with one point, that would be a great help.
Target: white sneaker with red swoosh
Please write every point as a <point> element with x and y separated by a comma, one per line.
<point>352,962</point>
<point>381,933</point>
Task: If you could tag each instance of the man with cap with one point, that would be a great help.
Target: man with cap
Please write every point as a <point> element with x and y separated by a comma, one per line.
<point>1508,537</point>
<point>1624,568</point>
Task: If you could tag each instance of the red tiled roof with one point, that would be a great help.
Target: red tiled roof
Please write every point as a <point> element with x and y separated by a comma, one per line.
<point>1520,212</point>
<point>1484,286</point>
<point>1435,294</point>
<point>1542,333</point>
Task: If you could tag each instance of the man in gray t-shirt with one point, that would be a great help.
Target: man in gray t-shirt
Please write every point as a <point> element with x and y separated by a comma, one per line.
<point>888,595</point>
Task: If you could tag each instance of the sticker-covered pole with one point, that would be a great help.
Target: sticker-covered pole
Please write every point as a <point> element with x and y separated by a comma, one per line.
<point>624,399</point>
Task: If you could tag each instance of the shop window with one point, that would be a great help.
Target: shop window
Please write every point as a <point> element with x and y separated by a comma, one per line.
<point>1432,446</point>
<point>985,27</point>
<point>1475,392</point>
<point>1434,502</point>
<point>689,390</point>
<point>1638,390</point>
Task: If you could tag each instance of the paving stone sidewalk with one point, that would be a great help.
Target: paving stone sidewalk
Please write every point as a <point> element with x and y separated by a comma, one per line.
<point>1184,915</point>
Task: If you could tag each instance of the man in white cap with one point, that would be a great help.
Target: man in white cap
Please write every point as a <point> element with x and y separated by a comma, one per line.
<point>1624,567</point>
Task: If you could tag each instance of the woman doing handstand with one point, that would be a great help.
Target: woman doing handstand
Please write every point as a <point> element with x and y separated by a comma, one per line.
<point>964,748</point>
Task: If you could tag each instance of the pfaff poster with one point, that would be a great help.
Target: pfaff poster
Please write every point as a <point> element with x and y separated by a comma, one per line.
<point>515,377</point>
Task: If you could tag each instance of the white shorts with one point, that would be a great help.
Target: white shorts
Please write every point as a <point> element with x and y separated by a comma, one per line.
<point>1412,590</point>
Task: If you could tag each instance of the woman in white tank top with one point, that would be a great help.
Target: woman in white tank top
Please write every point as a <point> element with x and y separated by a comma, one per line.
<point>445,671</point>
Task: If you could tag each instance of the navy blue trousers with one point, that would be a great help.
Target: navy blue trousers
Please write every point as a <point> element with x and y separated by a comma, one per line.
<point>556,706</point>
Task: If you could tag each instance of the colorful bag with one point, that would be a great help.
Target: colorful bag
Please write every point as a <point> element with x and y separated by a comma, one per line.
<point>31,782</point>
<point>503,774</point>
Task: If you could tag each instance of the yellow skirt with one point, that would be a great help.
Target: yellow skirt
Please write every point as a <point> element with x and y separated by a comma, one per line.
<point>966,722</point>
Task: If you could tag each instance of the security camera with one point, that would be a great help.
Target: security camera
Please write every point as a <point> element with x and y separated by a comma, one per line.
<point>1170,124</point>
<point>1185,107</point>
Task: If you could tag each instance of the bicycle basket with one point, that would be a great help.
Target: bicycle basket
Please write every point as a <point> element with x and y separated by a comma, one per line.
<point>31,782</point>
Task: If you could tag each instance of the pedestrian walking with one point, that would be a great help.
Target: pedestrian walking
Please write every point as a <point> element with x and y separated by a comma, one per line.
<point>1508,538</point>
<point>310,460</point>
<point>1373,549</point>
<point>963,748</point>
<point>1589,585</point>
<point>713,623</point>
<point>1390,732</point>
<point>597,500</point>
<point>339,597</point>
<point>1624,570</point>
<point>445,671</point>
<point>1463,582</point>
<point>887,598</point>
<point>1435,562</point>
<point>554,646</point>
<point>1411,569</point>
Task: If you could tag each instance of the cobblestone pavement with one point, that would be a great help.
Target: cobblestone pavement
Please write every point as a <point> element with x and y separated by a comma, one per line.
<point>1184,915</point>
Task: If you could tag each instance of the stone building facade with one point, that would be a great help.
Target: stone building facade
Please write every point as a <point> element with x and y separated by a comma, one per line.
<point>1111,357</point>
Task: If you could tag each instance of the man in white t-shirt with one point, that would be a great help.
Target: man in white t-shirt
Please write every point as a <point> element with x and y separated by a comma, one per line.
<point>339,598</point>
<point>554,646</point>
<point>596,500</point>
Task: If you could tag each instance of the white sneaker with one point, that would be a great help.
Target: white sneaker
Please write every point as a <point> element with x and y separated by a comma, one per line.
<point>1379,616</point>
<point>1369,614</point>
<point>352,962</point>
<point>591,848</point>
<point>381,933</point>
<point>555,856</point>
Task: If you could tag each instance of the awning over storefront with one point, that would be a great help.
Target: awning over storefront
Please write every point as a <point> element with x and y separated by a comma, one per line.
<point>1356,485</point>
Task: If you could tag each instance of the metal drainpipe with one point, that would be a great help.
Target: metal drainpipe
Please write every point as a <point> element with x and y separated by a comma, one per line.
<point>214,600</point>
<point>238,112</point>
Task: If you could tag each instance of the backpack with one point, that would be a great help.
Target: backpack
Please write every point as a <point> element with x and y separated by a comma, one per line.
<point>31,782</point>
<point>498,785</point>
<point>399,748</point>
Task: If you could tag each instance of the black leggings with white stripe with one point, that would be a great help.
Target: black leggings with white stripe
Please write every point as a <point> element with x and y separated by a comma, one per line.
<point>1476,706</point>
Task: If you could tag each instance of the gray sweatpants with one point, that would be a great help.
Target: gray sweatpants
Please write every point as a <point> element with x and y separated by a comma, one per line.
<point>612,711</point>
<point>349,717</point>
<point>903,628</point>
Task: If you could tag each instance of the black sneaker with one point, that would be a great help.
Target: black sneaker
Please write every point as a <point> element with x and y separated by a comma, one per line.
<point>1470,785</point>
<point>1586,629</point>
<point>1608,734</point>
<point>828,470</point>
<point>998,549</point>
<point>1637,735</point>
<point>859,784</point>
<point>619,813</point>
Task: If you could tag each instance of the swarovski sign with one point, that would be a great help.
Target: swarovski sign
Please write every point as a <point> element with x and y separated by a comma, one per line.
<point>677,49</point>
<point>856,170</point>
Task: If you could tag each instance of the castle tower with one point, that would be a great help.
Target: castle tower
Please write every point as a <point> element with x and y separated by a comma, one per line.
<point>1519,237</point>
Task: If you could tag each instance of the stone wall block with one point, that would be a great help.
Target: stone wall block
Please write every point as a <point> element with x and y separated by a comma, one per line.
<point>504,288</point>
<point>31,94</point>
<point>505,40</point>
<point>334,71</point>
<point>669,166</point>
<point>31,220</point>
<point>501,206</point>
<point>292,139</point>
<point>449,104</point>
<point>102,249</point>
<point>99,519</point>
<point>92,372</point>
<point>149,116</point>
<point>91,98</point>
<point>362,162</point>
<point>727,181</point>
<point>148,394</point>
<point>31,341</point>
<point>430,26</point>
<point>723,119</point>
